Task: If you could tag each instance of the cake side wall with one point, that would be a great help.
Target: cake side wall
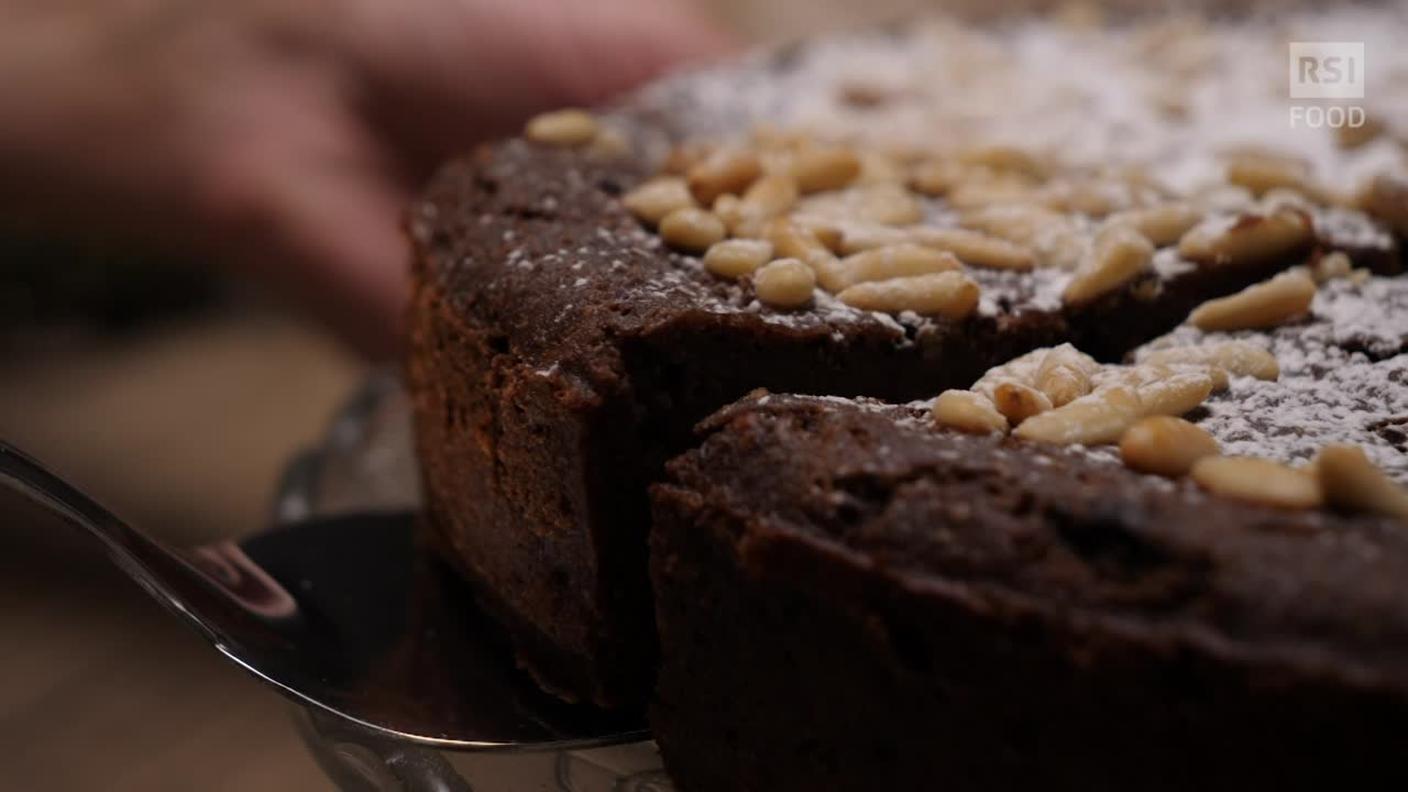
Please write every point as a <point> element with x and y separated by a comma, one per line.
<point>791,665</point>
<point>501,459</point>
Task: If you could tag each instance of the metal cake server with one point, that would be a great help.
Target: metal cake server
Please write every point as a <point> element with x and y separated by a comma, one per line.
<point>350,618</point>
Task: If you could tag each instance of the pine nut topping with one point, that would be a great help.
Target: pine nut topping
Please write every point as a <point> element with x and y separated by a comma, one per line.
<point>684,156</point>
<point>937,176</point>
<point>725,171</point>
<point>692,230</point>
<point>1238,358</point>
<point>1018,402</point>
<point>769,197</point>
<point>832,168</point>
<point>1163,225</point>
<point>1165,446</point>
<point>1262,172</point>
<point>977,249</point>
<point>858,237</point>
<point>1250,238</point>
<point>1004,158</point>
<point>565,128</point>
<point>1266,304</point>
<point>1064,374</point>
<point>895,261</point>
<point>1120,255</point>
<point>1352,483</point>
<point>967,411</point>
<point>793,240</point>
<point>1097,418</point>
<point>1050,235</point>
<point>1331,266</point>
<point>951,295</point>
<point>1387,199</point>
<point>1176,393</point>
<point>784,283</point>
<point>735,258</point>
<point>887,204</point>
<point>651,201</point>
<point>1258,481</point>
<point>827,233</point>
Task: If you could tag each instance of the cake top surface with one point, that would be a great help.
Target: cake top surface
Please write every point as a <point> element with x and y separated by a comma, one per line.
<point>1343,379</point>
<point>1132,116</point>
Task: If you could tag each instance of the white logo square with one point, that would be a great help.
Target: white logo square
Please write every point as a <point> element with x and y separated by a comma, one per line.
<point>1327,69</point>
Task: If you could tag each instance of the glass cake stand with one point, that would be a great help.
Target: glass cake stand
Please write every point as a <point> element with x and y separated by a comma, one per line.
<point>364,465</point>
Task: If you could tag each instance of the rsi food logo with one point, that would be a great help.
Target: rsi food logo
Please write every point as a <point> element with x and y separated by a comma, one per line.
<point>1326,70</point>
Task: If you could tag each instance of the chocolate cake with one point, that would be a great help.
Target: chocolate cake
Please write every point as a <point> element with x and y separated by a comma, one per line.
<point>578,308</point>
<point>851,599</point>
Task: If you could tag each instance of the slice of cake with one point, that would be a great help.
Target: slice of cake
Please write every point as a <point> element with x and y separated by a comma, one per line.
<point>857,596</point>
<point>887,214</point>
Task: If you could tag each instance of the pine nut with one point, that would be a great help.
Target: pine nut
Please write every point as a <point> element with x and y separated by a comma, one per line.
<point>997,191</point>
<point>1163,225</point>
<point>1093,197</point>
<point>1238,358</point>
<point>827,233</point>
<point>684,156</point>
<point>1022,368</point>
<point>1064,374</point>
<point>564,128</point>
<point>830,168</point>
<point>937,177</point>
<point>1387,199</point>
<point>791,240</point>
<point>894,261</point>
<point>1250,238</point>
<point>967,411</point>
<point>1331,266</point>
<point>1177,393</point>
<point>972,247</point>
<point>729,208</point>
<point>726,171</point>
<point>887,204</point>
<point>1004,158</point>
<point>1262,172</point>
<point>735,258</point>
<point>692,230</point>
<point>784,283</point>
<point>877,167</point>
<point>1165,445</point>
<point>1353,483</point>
<point>651,201</point>
<point>1050,235</point>
<point>609,143</point>
<point>1018,402</point>
<point>767,198</point>
<point>1258,481</point>
<point>1094,419</point>
<point>1120,255</point>
<point>951,295</point>
<point>1266,304</point>
<point>858,237</point>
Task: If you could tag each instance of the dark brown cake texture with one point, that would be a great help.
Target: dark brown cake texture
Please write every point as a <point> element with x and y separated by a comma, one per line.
<point>850,597</point>
<point>561,352</point>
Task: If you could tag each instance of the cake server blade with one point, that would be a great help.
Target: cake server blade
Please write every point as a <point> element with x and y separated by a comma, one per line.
<point>348,615</point>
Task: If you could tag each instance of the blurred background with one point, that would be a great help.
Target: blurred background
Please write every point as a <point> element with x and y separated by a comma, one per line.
<point>175,398</point>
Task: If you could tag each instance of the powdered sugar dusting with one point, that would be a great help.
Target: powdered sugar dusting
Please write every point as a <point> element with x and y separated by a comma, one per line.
<point>1344,379</point>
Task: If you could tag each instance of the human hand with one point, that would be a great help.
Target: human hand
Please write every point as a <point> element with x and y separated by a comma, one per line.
<point>283,139</point>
